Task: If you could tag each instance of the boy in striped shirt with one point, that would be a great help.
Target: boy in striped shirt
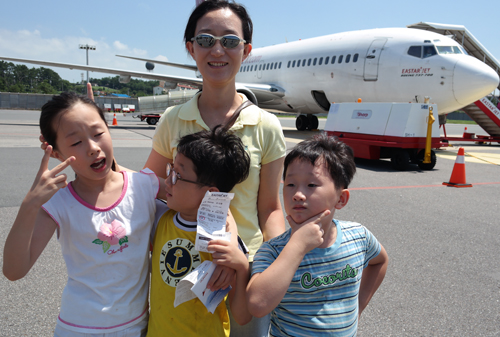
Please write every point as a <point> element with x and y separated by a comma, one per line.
<point>318,276</point>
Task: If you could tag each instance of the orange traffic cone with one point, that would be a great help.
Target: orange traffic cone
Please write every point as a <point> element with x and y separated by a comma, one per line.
<point>458,174</point>
<point>115,122</point>
<point>465,131</point>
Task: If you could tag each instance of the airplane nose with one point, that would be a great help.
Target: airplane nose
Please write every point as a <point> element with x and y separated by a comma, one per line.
<point>472,80</point>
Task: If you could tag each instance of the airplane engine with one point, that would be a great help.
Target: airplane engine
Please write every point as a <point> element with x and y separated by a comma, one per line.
<point>170,85</point>
<point>125,78</point>
<point>250,95</point>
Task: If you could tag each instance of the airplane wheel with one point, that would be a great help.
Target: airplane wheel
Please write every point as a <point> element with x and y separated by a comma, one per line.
<point>313,122</point>
<point>301,123</point>
<point>427,166</point>
<point>400,160</point>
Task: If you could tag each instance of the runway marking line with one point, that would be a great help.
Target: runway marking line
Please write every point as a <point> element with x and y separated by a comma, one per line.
<point>412,186</point>
<point>472,157</point>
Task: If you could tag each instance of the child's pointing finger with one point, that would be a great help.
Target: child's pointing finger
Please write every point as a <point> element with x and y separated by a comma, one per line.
<point>63,165</point>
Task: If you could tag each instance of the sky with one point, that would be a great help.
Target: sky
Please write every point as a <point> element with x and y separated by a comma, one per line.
<point>52,30</point>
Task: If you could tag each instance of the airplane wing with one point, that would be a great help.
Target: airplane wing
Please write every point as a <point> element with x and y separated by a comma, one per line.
<point>264,94</point>
<point>125,75</point>
<point>165,63</point>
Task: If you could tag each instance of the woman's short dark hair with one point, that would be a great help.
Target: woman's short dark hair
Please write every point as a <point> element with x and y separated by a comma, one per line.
<point>337,156</point>
<point>219,157</point>
<point>53,110</point>
<point>213,5</point>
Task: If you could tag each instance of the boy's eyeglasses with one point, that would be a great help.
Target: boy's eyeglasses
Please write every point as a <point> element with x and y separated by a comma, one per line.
<point>208,40</point>
<point>176,176</point>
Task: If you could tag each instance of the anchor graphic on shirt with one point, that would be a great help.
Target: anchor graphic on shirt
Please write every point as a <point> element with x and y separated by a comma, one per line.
<point>174,270</point>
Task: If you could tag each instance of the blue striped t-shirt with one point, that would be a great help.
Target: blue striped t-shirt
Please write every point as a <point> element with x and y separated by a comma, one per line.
<point>322,299</point>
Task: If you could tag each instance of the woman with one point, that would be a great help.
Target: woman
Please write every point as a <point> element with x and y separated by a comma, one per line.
<point>215,105</point>
<point>218,37</point>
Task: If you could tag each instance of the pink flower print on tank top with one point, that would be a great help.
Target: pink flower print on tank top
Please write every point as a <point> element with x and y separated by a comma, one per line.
<point>110,235</point>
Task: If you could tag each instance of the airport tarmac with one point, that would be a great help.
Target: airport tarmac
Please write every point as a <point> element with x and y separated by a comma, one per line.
<point>443,277</point>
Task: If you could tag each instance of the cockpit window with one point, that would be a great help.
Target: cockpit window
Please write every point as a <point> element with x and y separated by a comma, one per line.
<point>415,51</point>
<point>429,51</point>
<point>448,50</point>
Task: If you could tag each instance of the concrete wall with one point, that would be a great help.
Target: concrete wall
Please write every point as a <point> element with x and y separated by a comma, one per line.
<point>10,100</point>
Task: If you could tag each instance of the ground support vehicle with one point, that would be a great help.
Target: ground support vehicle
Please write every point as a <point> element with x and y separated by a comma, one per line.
<point>469,137</point>
<point>402,132</point>
<point>151,119</point>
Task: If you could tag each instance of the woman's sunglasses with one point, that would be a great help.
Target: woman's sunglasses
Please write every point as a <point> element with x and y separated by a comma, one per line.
<point>208,40</point>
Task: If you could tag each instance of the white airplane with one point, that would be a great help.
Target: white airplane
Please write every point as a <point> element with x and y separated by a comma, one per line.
<point>376,65</point>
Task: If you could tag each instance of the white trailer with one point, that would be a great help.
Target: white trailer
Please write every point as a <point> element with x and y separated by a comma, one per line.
<point>387,130</point>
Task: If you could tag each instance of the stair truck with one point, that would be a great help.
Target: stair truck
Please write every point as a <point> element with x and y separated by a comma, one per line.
<point>404,132</point>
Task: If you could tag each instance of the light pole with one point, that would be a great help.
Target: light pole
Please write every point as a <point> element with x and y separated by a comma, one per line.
<point>87,47</point>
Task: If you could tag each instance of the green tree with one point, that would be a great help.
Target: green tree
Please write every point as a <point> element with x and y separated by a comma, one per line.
<point>46,88</point>
<point>3,87</point>
<point>15,88</point>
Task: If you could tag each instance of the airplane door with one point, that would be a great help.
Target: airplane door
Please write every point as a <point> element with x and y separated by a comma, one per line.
<point>372,59</point>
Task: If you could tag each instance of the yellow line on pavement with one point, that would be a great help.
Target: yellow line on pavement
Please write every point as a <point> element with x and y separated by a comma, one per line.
<point>471,157</point>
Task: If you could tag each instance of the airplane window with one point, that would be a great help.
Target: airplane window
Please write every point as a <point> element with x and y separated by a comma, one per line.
<point>355,58</point>
<point>304,62</point>
<point>293,64</point>
<point>340,58</point>
<point>267,66</point>
<point>314,62</point>
<point>289,64</point>
<point>415,51</point>
<point>347,58</point>
<point>333,59</point>
<point>320,61</point>
<point>309,62</point>
<point>280,65</point>
<point>260,66</point>
<point>298,63</point>
<point>275,65</point>
<point>327,59</point>
<point>429,51</point>
<point>448,50</point>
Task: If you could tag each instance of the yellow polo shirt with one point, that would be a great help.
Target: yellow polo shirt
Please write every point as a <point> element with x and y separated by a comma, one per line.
<point>262,137</point>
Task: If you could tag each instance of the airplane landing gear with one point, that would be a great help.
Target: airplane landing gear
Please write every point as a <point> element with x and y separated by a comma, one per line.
<point>306,122</point>
<point>301,123</point>
<point>313,122</point>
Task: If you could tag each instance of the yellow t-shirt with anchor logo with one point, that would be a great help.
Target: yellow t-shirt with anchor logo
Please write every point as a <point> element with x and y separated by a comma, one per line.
<point>174,256</point>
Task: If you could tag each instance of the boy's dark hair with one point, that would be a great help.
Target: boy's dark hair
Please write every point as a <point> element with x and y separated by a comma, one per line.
<point>53,110</point>
<point>219,157</point>
<point>213,5</point>
<point>338,157</point>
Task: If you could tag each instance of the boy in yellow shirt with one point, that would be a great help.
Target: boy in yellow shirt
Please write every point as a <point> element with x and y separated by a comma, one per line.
<point>212,161</point>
